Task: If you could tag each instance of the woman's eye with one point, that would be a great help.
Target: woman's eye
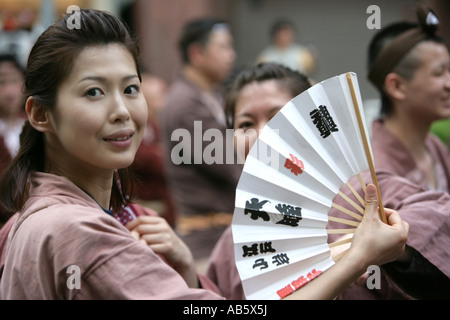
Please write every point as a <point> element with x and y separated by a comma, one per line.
<point>441,71</point>
<point>94,92</point>
<point>245,125</point>
<point>132,89</point>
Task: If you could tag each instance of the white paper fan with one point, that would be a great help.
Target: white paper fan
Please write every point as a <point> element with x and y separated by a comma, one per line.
<point>301,159</point>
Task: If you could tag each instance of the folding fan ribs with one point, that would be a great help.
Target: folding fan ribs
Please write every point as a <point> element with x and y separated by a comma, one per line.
<point>299,164</point>
<point>353,220</point>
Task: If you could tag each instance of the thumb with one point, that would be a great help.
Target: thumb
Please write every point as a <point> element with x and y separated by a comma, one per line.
<point>371,199</point>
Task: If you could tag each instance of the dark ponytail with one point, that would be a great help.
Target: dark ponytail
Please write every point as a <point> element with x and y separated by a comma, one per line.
<point>14,183</point>
<point>50,62</point>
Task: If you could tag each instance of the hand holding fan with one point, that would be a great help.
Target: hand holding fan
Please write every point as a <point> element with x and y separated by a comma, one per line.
<point>316,143</point>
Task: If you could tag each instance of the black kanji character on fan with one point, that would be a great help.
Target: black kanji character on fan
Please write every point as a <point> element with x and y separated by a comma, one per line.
<point>291,215</point>
<point>254,207</point>
<point>261,264</point>
<point>265,247</point>
<point>280,259</point>
<point>323,121</point>
<point>250,251</point>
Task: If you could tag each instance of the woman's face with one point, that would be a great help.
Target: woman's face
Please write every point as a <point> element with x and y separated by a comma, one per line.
<point>100,114</point>
<point>256,104</point>
<point>11,96</point>
<point>428,92</point>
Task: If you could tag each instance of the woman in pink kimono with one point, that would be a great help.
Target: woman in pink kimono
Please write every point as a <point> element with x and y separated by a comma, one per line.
<point>410,66</point>
<point>69,183</point>
<point>86,116</point>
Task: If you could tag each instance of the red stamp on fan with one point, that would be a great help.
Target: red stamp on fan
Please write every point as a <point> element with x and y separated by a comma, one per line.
<point>298,283</point>
<point>294,164</point>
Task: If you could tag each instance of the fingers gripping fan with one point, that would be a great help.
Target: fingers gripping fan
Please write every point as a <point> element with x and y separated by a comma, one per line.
<point>299,163</point>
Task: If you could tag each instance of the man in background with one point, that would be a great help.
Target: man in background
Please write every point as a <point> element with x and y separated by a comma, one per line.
<point>203,191</point>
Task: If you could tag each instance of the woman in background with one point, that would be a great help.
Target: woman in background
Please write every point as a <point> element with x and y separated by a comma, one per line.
<point>255,96</point>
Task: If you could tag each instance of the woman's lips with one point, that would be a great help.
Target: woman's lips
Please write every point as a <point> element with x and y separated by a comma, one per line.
<point>121,138</point>
<point>118,139</point>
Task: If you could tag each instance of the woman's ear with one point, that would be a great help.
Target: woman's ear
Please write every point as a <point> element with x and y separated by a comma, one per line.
<point>394,86</point>
<point>37,116</point>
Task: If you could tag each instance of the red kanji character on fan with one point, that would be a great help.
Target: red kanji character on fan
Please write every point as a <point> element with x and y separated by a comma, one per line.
<point>294,164</point>
<point>313,274</point>
<point>300,282</point>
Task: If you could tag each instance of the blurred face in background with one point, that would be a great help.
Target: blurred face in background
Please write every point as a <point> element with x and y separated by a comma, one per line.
<point>11,96</point>
<point>427,94</point>
<point>284,37</point>
<point>217,56</point>
<point>256,104</point>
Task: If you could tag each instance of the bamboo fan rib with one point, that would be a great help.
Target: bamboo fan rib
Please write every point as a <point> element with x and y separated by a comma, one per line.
<point>300,164</point>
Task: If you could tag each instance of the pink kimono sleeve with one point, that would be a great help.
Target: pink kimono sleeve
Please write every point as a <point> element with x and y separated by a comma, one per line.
<point>222,268</point>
